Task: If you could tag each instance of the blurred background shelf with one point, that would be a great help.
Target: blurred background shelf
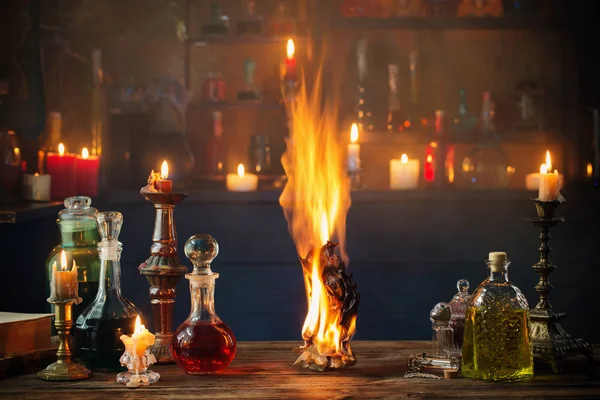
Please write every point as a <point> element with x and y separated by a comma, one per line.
<point>242,40</point>
<point>431,23</point>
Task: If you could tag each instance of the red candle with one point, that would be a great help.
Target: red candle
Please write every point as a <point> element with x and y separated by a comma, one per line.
<point>87,174</point>
<point>429,172</point>
<point>163,184</point>
<point>290,62</point>
<point>61,167</point>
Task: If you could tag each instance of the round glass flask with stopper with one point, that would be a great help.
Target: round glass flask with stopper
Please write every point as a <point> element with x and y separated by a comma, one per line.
<point>79,239</point>
<point>100,326</point>
<point>203,344</point>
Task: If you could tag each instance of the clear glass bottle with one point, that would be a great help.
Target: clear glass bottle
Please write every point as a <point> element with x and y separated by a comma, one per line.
<point>463,124</point>
<point>395,122</point>
<point>443,335</point>
<point>203,344</point>
<point>99,327</point>
<point>497,345</point>
<point>458,307</point>
<point>79,239</point>
<point>216,149</point>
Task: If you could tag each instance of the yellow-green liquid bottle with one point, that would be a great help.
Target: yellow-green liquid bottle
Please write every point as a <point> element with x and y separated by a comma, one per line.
<point>497,346</point>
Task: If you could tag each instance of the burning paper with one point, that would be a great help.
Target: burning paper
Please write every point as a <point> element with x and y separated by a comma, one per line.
<point>315,201</point>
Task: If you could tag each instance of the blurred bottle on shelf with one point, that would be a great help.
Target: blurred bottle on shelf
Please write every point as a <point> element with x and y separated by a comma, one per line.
<point>395,122</point>
<point>218,23</point>
<point>49,139</point>
<point>439,154</point>
<point>463,124</point>
<point>281,22</point>
<point>10,166</point>
<point>251,23</point>
<point>216,149</point>
<point>416,118</point>
<point>362,107</point>
<point>480,8</point>
<point>487,165</point>
<point>259,154</point>
<point>441,8</point>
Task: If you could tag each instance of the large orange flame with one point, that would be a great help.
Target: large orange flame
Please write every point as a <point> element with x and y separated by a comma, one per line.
<point>315,201</point>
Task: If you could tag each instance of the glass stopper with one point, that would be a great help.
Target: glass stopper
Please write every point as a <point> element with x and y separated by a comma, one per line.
<point>463,286</point>
<point>441,314</point>
<point>109,224</point>
<point>77,203</point>
<point>201,249</point>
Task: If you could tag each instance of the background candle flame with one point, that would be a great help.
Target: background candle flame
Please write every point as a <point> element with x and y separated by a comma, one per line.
<point>240,170</point>
<point>354,133</point>
<point>290,49</point>
<point>164,170</point>
<point>61,149</point>
<point>85,153</point>
<point>404,159</point>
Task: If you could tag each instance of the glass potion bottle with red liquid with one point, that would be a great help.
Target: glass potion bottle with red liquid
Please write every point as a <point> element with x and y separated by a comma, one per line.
<point>203,344</point>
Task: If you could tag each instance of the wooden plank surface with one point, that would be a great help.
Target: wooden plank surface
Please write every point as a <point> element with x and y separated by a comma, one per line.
<point>264,370</point>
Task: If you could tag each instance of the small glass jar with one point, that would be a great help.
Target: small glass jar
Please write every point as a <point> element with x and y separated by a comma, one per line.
<point>443,335</point>
<point>458,306</point>
<point>203,344</point>
<point>79,239</point>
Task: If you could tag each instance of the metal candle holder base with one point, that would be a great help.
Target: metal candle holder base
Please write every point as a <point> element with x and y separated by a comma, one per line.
<point>64,369</point>
<point>163,270</point>
<point>551,343</point>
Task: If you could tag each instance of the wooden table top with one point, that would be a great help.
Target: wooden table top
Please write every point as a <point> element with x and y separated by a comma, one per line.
<point>264,370</point>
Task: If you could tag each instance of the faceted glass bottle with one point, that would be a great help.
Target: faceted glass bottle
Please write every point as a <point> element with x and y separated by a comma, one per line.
<point>79,240</point>
<point>497,345</point>
<point>203,344</point>
<point>99,327</point>
<point>443,335</point>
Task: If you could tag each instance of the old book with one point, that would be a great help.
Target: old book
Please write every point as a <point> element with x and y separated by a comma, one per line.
<point>24,333</point>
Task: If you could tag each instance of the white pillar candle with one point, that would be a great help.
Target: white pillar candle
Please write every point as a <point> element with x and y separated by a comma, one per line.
<point>404,173</point>
<point>36,187</point>
<point>532,181</point>
<point>353,150</point>
<point>242,182</point>
<point>549,188</point>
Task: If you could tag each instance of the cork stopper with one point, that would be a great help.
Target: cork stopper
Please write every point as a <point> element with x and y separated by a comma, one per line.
<point>497,260</point>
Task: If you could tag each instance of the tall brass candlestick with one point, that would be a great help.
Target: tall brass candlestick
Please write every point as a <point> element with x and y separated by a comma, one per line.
<point>64,369</point>
<point>163,270</point>
<point>551,343</point>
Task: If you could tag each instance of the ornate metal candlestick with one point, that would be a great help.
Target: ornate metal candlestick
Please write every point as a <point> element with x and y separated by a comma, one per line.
<point>163,270</point>
<point>64,369</point>
<point>551,343</point>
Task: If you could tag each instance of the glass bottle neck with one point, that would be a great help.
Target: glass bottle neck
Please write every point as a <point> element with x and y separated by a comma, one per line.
<point>202,293</point>
<point>499,276</point>
<point>110,269</point>
<point>74,234</point>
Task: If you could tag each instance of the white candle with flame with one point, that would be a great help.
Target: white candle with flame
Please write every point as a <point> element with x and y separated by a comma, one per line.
<point>64,285</point>
<point>353,150</point>
<point>549,188</point>
<point>532,180</point>
<point>242,182</point>
<point>137,343</point>
<point>404,173</point>
<point>36,187</point>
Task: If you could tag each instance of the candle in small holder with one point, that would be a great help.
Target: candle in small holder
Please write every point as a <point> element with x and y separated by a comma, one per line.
<point>353,150</point>
<point>291,73</point>
<point>36,187</point>
<point>242,182</point>
<point>163,184</point>
<point>549,189</point>
<point>404,173</point>
<point>138,357</point>
<point>64,285</point>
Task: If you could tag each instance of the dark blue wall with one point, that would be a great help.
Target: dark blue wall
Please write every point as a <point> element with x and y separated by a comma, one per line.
<point>407,251</point>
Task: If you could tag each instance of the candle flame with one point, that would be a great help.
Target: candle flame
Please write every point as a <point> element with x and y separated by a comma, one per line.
<point>63,261</point>
<point>61,149</point>
<point>17,151</point>
<point>354,133</point>
<point>291,49</point>
<point>589,170</point>
<point>404,159</point>
<point>241,170</point>
<point>85,153</point>
<point>164,170</point>
<point>429,158</point>
<point>548,160</point>
<point>543,169</point>
<point>138,326</point>
<point>36,174</point>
